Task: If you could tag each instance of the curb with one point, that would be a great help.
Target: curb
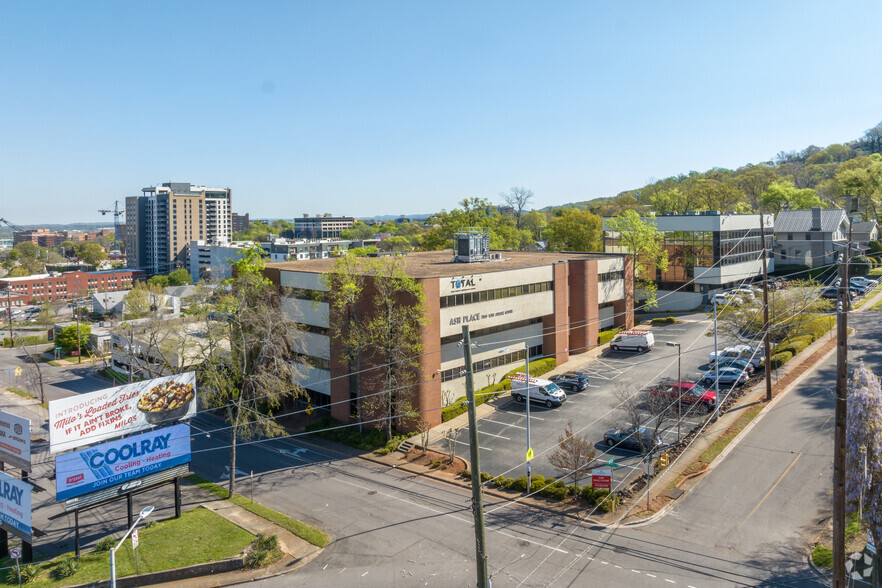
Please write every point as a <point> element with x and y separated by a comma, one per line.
<point>817,570</point>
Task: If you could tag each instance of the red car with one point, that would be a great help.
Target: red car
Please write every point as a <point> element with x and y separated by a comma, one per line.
<point>690,393</point>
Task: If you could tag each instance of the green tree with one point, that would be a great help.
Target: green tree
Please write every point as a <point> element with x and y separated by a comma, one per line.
<point>158,280</point>
<point>67,338</point>
<point>753,180</point>
<point>142,300</point>
<point>91,253</point>
<point>535,222</point>
<point>399,244</point>
<point>575,230</point>
<point>672,200</point>
<point>359,231</point>
<point>783,193</point>
<point>249,381</point>
<point>180,277</point>
<point>643,240</point>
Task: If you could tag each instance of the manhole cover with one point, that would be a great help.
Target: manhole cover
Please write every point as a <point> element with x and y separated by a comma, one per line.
<point>674,493</point>
<point>372,492</point>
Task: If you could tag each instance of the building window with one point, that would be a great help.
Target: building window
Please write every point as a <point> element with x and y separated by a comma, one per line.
<point>491,330</point>
<point>611,276</point>
<point>306,294</point>
<point>497,294</point>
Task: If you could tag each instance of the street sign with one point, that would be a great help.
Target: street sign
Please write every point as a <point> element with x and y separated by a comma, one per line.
<point>601,478</point>
<point>15,552</point>
<point>529,453</point>
<point>135,539</point>
<point>309,409</point>
<point>612,463</point>
<point>18,371</point>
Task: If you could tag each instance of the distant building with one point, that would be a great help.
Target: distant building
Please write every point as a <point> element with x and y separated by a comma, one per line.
<point>165,219</point>
<point>213,261</point>
<point>321,226</point>
<point>302,249</point>
<point>810,238</point>
<point>240,222</point>
<point>41,288</point>
<point>862,232</point>
<point>40,237</point>
<point>707,251</point>
<point>135,351</point>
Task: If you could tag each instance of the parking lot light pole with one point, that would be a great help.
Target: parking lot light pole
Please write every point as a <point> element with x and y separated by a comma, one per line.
<point>529,444</point>
<point>679,388</point>
<point>716,366</point>
<point>145,512</point>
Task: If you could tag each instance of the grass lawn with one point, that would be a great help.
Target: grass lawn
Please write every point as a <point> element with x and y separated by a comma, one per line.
<point>19,391</point>
<point>306,532</point>
<point>199,536</point>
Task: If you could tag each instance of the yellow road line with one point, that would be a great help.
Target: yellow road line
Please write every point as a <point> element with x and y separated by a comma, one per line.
<point>770,490</point>
<point>827,421</point>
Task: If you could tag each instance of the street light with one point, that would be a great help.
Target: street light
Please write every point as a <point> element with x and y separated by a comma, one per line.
<point>529,445</point>
<point>679,388</point>
<point>145,512</point>
<point>716,366</point>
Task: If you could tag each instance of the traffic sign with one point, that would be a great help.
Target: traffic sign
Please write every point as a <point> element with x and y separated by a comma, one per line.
<point>612,463</point>
<point>15,552</point>
<point>135,539</point>
<point>601,478</point>
<point>309,409</point>
<point>529,454</point>
<point>18,371</point>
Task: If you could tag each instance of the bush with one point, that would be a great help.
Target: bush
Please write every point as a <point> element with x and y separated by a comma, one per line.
<point>519,484</point>
<point>29,340</point>
<point>667,320</point>
<point>368,440</point>
<point>823,556</point>
<point>467,474</point>
<point>554,491</point>
<point>794,345</point>
<point>436,464</point>
<point>780,359</point>
<point>66,569</point>
<point>816,328</point>
<point>485,477</point>
<point>589,494</point>
<point>606,502</point>
<point>537,482</point>
<point>29,573</point>
<point>607,336</point>
<point>571,489</point>
<point>860,265</point>
<point>105,544</point>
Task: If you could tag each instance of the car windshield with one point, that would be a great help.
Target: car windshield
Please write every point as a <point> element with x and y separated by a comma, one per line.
<point>552,388</point>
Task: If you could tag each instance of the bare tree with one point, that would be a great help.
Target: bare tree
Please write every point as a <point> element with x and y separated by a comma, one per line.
<point>517,198</point>
<point>34,373</point>
<point>450,437</point>
<point>424,428</point>
<point>573,455</point>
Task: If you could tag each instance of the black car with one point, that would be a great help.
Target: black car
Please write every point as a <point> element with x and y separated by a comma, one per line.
<point>571,381</point>
<point>832,292</point>
<point>641,439</point>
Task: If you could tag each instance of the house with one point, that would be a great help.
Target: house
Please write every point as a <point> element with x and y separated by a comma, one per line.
<point>108,302</point>
<point>811,238</point>
<point>863,232</point>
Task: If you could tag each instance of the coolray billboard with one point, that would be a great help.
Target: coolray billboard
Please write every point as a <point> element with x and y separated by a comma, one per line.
<point>15,506</point>
<point>85,419</point>
<point>15,441</point>
<point>118,461</point>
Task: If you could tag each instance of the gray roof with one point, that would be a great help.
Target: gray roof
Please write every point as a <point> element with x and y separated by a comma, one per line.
<point>182,291</point>
<point>800,221</point>
<point>863,227</point>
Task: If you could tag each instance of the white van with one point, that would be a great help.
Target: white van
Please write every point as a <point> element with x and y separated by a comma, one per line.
<point>542,391</point>
<point>633,341</point>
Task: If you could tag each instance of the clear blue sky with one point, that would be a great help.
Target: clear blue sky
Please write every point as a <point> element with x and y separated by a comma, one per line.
<point>368,108</point>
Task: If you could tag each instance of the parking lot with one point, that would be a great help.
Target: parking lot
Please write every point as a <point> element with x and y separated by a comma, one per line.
<point>503,434</point>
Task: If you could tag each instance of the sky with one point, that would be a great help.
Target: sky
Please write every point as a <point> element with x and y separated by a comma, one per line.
<point>385,108</point>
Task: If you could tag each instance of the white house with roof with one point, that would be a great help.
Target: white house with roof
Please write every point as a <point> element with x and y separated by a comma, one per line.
<point>811,238</point>
<point>862,232</point>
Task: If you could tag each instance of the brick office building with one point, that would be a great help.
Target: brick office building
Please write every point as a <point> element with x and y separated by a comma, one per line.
<point>547,304</point>
<point>41,288</point>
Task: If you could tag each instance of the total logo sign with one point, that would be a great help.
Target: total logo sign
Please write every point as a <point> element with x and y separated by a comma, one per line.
<point>109,464</point>
<point>463,283</point>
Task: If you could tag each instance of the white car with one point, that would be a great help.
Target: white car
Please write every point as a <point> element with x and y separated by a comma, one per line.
<point>865,282</point>
<point>727,298</point>
<point>745,352</point>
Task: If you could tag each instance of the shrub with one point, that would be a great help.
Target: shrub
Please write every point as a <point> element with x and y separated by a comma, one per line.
<point>66,568</point>
<point>794,345</point>
<point>368,440</point>
<point>860,265</point>
<point>437,464</point>
<point>485,477</point>
<point>816,328</point>
<point>571,490</point>
<point>607,501</point>
<point>667,320</point>
<point>519,484</point>
<point>537,482</point>
<point>589,494</point>
<point>823,556</point>
<point>29,573</point>
<point>555,492</point>
<point>780,359</point>
<point>105,544</point>
<point>467,474</point>
<point>29,340</point>
<point>607,336</point>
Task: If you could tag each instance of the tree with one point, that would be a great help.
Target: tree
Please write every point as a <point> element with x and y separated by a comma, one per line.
<point>670,201</point>
<point>91,253</point>
<point>359,231</point>
<point>398,244</point>
<point>67,338</point>
<point>753,180</point>
<point>535,222</point>
<point>575,230</point>
<point>158,280</point>
<point>249,382</point>
<point>180,277</point>
<point>573,455</point>
<point>517,197</point>
<point>783,194</point>
<point>142,300</point>
<point>642,239</point>
<point>863,462</point>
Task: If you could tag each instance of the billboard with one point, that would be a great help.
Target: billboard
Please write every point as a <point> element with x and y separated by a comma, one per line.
<point>15,506</point>
<point>84,419</point>
<point>116,462</point>
<point>15,441</point>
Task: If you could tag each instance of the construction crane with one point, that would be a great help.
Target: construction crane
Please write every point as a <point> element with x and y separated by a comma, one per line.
<point>116,214</point>
<point>12,226</point>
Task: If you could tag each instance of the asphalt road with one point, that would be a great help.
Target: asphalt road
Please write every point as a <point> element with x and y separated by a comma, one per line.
<point>502,435</point>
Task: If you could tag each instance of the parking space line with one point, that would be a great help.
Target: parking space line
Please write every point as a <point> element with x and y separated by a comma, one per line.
<point>494,435</point>
<point>504,424</point>
<point>479,447</point>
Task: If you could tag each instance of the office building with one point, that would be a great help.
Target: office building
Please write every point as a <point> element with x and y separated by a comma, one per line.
<point>41,288</point>
<point>515,303</point>
<point>163,221</point>
<point>213,262</point>
<point>321,226</point>
<point>240,222</point>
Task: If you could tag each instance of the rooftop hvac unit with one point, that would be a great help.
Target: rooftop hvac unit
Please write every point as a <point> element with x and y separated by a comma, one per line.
<point>472,244</point>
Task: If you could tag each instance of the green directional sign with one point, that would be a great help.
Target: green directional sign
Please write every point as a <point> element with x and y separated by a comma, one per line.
<point>612,463</point>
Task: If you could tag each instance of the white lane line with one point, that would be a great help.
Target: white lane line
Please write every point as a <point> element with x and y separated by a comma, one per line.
<point>671,581</point>
<point>650,575</point>
<point>481,448</point>
<point>636,571</point>
<point>453,516</point>
<point>606,563</point>
<point>480,433</point>
<point>504,424</point>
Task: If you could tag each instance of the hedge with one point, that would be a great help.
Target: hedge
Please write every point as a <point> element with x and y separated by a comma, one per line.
<point>793,345</point>
<point>780,359</point>
<point>460,405</point>
<point>817,327</point>
<point>29,340</point>
<point>599,497</point>
<point>607,336</point>
<point>667,320</point>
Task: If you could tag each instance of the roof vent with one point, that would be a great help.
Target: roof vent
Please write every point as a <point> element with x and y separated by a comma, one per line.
<point>472,244</point>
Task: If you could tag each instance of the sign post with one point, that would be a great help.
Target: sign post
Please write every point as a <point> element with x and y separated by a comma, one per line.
<point>601,478</point>
<point>135,543</point>
<point>15,553</point>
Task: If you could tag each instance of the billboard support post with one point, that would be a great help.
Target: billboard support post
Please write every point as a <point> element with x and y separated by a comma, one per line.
<point>77,533</point>
<point>4,543</point>
<point>177,497</point>
<point>27,552</point>
<point>131,518</point>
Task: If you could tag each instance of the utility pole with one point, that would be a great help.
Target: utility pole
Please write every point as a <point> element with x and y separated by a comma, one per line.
<point>767,326</point>
<point>9,315</point>
<point>717,400</point>
<point>477,503</point>
<point>77,313</point>
<point>842,307</point>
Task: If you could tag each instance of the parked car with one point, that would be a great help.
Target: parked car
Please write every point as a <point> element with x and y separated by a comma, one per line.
<point>727,298</point>
<point>866,281</point>
<point>540,391</point>
<point>741,364</point>
<point>572,381</point>
<point>744,293</point>
<point>751,354</point>
<point>727,376</point>
<point>637,439</point>
<point>636,340</point>
<point>832,292</point>
<point>689,393</point>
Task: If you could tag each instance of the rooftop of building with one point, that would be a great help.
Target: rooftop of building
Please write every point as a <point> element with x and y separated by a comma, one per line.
<point>789,221</point>
<point>429,264</point>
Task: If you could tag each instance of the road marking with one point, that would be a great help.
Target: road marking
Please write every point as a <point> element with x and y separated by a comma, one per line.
<point>504,424</point>
<point>494,435</point>
<point>479,447</point>
<point>453,516</point>
<point>827,421</point>
<point>775,485</point>
<point>671,581</point>
<point>650,575</point>
<point>636,571</point>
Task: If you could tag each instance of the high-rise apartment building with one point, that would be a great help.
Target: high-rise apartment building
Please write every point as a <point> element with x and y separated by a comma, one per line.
<point>164,219</point>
